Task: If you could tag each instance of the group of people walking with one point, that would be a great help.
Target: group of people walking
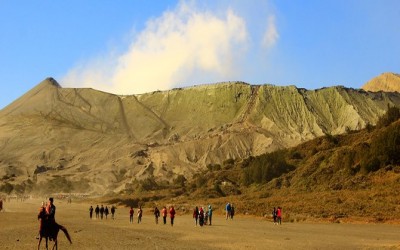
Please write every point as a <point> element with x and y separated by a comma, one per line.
<point>101,211</point>
<point>157,213</point>
<point>139,214</point>
<point>203,216</point>
<point>230,211</point>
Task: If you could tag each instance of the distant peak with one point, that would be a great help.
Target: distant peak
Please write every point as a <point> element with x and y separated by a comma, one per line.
<point>388,82</point>
<point>51,81</point>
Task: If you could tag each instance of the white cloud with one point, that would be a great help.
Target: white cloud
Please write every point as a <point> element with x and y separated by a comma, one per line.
<point>183,46</point>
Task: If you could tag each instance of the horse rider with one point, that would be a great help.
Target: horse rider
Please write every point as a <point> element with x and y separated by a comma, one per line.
<point>51,213</point>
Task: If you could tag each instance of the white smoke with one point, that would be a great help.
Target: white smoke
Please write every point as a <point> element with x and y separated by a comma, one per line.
<point>271,33</point>
<point>183,46</point>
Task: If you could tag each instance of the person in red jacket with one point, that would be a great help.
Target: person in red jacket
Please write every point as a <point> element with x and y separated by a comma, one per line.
<point>279,215</point>
<point>172,215</point>
<point>164,214</point>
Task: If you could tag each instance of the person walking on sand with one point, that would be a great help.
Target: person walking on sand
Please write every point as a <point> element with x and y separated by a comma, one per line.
<point>232,211</point>
<point>101,212</point>
<point>201,216</point>
<point>196,215</point>
<point>156,214</point>
<point>210,212</point>
<point>172,215</point>
<point>279,215</point>
<point>164,214</point>
<point>228,210</point>
<point>106,212</point>
<point>131,215</point>
<point>91,212</point>
<point>139,215</point>
<point>97,211</point>
<point>274,216</point>
<point>112,211</point>
<point>205,217</point>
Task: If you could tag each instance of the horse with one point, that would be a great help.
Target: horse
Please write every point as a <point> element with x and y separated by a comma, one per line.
<point>49,230</point>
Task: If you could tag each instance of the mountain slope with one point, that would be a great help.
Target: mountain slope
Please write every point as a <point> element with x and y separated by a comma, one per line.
<point>109,142</point>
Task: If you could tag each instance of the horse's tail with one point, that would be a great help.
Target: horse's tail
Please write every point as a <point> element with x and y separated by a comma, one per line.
<point>65,232</point>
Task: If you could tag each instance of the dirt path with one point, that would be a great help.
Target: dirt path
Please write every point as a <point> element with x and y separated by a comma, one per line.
<point>18,228</point>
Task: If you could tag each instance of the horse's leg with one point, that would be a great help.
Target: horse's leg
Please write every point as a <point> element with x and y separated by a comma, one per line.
<point>47,243</point>
<point>40,240</point>
<point>55,236</point>
<point>55,243</point>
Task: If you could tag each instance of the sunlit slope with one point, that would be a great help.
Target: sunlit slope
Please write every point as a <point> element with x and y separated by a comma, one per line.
<point>388,82</point>
<point>192,112</point>
<point>109,140</point>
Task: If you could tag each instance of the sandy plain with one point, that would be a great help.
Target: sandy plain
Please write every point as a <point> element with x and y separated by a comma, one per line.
<point>18,228</point>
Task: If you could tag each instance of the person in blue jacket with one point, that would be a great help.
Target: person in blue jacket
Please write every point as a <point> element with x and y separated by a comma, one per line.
<point>209,213</point>
<point>228,210</point>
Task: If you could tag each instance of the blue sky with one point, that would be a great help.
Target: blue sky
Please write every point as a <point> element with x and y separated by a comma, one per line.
<point>136,46</point>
